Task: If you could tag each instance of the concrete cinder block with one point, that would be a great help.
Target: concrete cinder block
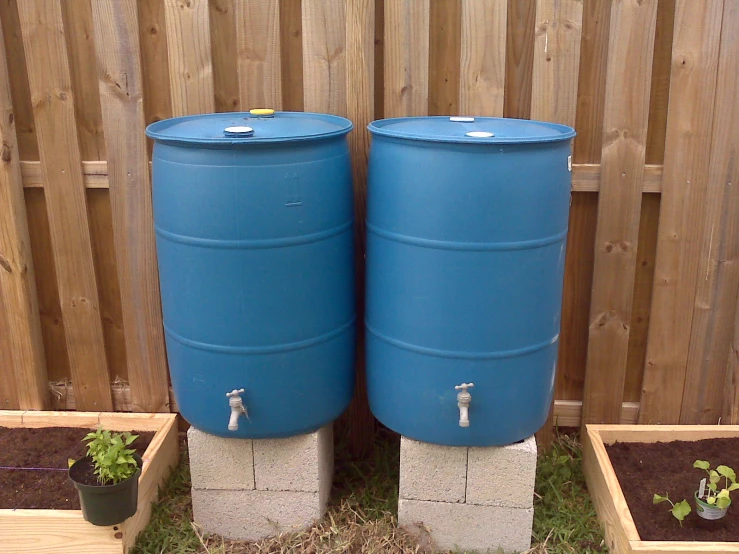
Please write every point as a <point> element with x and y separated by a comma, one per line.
<point>303,463</point>
<point>502,475</point>
<point>252,515</point>
<point>466,527</point>
<point>220,463</point>
<point>432,472</point>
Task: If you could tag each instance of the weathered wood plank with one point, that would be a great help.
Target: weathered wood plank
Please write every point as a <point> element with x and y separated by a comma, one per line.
<point>291,52</point>
<point>190,62</point>
<point>718,270</point>
<point>625,123</point>
<point>444,55</point>
<point>100,220</point>
<point>406,50</point>
<point>360,87</point>
<point>730,413</point>
<point>258,37</point>
<point>77,18</point>
<point>639,327</point>
<point>554,85</point>
<point>682,214</point>
<point>647,249</point>
<point>591,83</point>
<point>324,56</point>
<point>23,373</point>
<point>225,52</point>
<point>519,55</point>
<point>16,61</point>
<point>50,85</point>
<point>154,61</point>
<point>483,63</point>
<point>121,93</point>
<point>556,61</point>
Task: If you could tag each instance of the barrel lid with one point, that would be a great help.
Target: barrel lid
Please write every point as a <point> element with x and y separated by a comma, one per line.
<point>257,126</point>
<point>471,130</point>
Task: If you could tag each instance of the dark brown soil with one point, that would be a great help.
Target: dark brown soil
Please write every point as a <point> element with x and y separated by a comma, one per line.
<point>644,469</point>
<point>47,449</point>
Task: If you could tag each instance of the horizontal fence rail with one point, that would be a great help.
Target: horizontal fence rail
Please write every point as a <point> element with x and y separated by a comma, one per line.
<point>649,321</point>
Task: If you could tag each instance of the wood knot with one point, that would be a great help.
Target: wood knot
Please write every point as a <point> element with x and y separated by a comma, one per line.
<point>5,264</point>
<point>11,118</point>
<point>608,247</point>
<point>62,96</point>
<point>7,153</point>
<point>153,30</point>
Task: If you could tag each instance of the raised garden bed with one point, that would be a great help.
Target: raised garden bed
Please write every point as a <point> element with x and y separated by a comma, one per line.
<point>36,531</point>
<point>622,535</point>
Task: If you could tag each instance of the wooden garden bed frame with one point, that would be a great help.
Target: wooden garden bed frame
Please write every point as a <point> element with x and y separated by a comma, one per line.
<point>64,531</point>
<point>605,490</point>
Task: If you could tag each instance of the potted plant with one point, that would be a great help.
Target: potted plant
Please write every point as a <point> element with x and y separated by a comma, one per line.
<point>711,502</point>
<point>107,477</point>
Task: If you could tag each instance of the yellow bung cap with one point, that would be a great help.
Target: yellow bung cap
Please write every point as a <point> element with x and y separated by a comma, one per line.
<point>262,112</point>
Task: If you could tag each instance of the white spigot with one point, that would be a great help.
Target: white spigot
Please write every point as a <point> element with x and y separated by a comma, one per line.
<point>463,403</point>
<point>237,408</point>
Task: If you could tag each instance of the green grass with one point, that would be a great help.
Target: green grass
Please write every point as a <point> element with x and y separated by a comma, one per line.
<point>360,517</point>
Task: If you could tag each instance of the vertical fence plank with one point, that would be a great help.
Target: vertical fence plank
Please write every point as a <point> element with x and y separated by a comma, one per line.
<point>190,62</point>
<point>258,36</point>
<point>444,55</point>
<point>23,111</point>
<point>647,250</point>
<point>554,82</point>
<point>482,72</point>
<point>77,18</point>
<point>406,50</point>
<point>519,55</point>
<point>578,280</point>
<point>730,414</point>
<point>100,220</point>
<point>379,59</point>
<point>324,56</point>
<point>718,272</point>
<point>556,61</point>
<point>625,123</point>
<point>121,93</point>
<point>50,85</point>
<point>682,214</point>
<point>154,61</point>
<point>23,373</point>
<point>224,49</point>
<point>8,387</point>
<point>360,87</point>
<point>291,51</point>
<point>50,307</point>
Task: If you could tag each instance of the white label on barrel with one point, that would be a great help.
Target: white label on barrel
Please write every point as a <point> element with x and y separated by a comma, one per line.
<point>569,163</point>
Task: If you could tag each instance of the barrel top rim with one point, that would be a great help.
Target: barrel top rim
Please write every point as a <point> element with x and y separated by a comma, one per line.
<point>207,129</point>
<point>485,130</point>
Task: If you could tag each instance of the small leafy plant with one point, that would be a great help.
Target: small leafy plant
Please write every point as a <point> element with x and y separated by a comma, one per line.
<point>679,510</point>
<point>715,496</point>
<point>113,460</point>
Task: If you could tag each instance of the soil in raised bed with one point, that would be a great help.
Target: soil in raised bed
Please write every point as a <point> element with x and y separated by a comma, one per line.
<point>644,469</point>
<point>47,449</point>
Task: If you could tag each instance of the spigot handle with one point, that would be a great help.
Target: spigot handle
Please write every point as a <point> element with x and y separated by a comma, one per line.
<point>464,386</point>
<point>235,392</point>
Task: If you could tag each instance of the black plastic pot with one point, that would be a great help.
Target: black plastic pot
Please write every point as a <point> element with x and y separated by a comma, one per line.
<point>106,504</point>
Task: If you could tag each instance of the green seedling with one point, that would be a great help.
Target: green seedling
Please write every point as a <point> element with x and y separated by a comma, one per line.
<point>715,496</point>
<point>111,457</point>
<point>679,510</point>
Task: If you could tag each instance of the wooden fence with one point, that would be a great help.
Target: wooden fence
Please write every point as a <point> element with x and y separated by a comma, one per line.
<point>649,329</point>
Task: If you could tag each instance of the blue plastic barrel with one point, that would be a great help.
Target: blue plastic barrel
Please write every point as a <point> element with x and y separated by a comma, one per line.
<point>254,229</point>
<point>466,228</point>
